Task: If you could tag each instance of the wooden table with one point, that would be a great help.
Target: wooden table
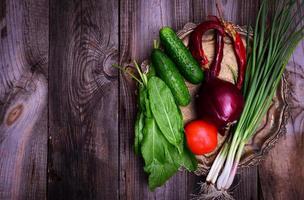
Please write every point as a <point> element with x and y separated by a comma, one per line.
<point>66,116</point>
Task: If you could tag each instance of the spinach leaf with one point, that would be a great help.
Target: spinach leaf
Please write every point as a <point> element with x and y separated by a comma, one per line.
<point>159,133</point>
<point>153,144</point>
<point>162,159</point>
<point>165,111</point>
<point>139,125</point>
<point>185,159</point>
<point>188,160</point>
<point>159,173</point>
<point>142,96</point>
<point>159,163</point>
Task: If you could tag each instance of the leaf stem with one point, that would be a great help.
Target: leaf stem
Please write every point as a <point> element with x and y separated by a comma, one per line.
<point>129,73</point>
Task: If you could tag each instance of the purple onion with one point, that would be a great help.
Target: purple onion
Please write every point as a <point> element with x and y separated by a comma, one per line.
<point>220,102</point>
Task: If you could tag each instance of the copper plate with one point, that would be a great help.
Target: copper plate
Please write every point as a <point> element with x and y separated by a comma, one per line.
<point>273,125</point>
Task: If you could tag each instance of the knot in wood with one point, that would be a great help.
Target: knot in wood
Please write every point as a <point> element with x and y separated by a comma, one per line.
<point>110,59</point>
<point>14,114</point>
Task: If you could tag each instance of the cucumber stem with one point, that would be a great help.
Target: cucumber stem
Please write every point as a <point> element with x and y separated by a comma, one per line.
<point>155,44</point>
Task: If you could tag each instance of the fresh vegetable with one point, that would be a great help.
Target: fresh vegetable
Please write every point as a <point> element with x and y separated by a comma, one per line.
<point>140,118</point>
<point>186,158</point>
<point>167,120</point>
<point>159,134</point>
<point>159,163</point>
<point>195,41</point>
<point>139,125</point>
<point>275,38</point>
<point>170,75</point>
<point>220,102</point>
<point>165,111</point>
<point>183,59</point>
<point>201,137</point>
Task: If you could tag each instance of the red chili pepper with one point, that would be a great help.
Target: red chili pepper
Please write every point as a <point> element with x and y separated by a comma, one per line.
<point>195,42</point>
<point>215,66</point>
<point>221,27</point>
<point>240,52</point>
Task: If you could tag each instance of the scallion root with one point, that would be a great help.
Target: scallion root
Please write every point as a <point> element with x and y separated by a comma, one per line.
<point>209,192</point>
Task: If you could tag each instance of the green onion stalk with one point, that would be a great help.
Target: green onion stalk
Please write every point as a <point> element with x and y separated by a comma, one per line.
<point>276,35</point>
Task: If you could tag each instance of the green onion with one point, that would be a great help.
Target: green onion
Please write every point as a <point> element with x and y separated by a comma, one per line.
<point>274,40</point>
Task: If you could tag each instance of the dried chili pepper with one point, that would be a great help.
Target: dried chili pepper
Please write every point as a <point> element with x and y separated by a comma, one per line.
<point>240,51</point>
<point>195,42</point>
<point>215,66</point>
<point>221,27</point>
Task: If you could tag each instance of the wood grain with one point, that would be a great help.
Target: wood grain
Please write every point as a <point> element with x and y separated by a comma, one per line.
<point>23,98</point>
<point>83,100</point>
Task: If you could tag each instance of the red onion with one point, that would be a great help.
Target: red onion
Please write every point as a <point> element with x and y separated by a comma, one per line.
<point>220,102</point>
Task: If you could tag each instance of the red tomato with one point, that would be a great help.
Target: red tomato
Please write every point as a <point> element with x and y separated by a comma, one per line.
<point>201,137</point>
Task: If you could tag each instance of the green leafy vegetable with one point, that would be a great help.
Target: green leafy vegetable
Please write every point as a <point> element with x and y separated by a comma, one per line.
<point>160,173</point>
<point>162,159</point>
<point>153,144</point>
<point>157,156</point>
<point>162,148</point>
<point>165,111</point>
<point>186,159</point>
<point>139,125</point>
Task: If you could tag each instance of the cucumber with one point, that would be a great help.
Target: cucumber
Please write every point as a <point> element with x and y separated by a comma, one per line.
<point>182,57</point>
<point>166,70</point>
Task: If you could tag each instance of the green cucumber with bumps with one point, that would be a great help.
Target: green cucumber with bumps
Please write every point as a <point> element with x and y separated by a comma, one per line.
<point>182,57</point>
<point>167,71</point>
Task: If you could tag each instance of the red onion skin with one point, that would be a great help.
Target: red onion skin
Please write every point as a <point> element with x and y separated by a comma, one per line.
<point>220,102</point>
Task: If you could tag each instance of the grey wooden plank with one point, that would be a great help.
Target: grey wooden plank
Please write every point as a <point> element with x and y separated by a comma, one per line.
<point>23,98</point>
<point>245,185</point>
<point>182,13</point>
<point>83,100</point>
<point>140,22</point>
<point>240,12</point>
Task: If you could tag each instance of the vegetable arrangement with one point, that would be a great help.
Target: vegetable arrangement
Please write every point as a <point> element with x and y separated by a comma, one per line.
<point>159,132</point>
<point>275,38</point>
<point>160,136</point>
